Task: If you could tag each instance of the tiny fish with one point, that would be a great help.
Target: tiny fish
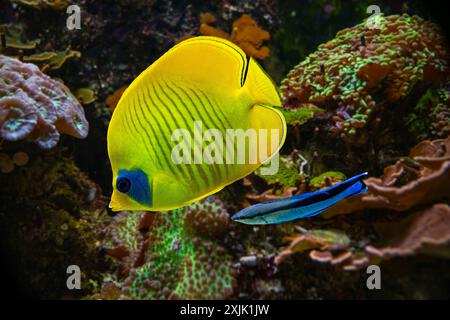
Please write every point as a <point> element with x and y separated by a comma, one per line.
<point>204,80</point>
<point>302,205</point>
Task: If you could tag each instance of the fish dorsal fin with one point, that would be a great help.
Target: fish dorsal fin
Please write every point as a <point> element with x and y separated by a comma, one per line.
<point>272,120</point>
<point>206,61</point>
<point>260,86</point>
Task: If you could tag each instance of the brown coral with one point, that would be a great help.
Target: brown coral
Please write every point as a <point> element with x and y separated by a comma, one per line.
<point>325,241</point>
<point>33,105</point>
<point>414,182</point>
<point>425,231</point>
<point>428,228</point>
<point>422,178</point>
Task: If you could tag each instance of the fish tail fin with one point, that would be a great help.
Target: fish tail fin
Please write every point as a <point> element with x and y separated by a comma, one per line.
<point>260,86</point>
<point>328,197</point>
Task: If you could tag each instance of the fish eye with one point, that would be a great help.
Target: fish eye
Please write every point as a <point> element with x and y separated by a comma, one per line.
<point>123,184</point>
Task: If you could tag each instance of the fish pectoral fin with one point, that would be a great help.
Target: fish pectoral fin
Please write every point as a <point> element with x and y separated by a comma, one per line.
<point>270,127</point>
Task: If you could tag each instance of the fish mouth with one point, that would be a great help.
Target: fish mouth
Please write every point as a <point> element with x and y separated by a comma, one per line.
<point>238,216</point>
<point>114,204</point>
<point>241,216</point>
<point>114,207</point>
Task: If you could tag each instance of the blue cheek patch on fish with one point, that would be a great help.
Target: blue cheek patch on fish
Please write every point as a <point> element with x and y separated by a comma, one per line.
<point>135,184</point>
<point>301,206</point>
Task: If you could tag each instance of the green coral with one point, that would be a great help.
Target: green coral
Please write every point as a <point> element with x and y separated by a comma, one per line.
<point>326,177</point>
<point>288,173</point>
<point>182,260</point>
<point>301,115</point>
<point>430,118</point>
<point>364,69</point>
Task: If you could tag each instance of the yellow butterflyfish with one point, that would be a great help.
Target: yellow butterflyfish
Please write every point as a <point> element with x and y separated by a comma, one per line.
<point>176,134</point>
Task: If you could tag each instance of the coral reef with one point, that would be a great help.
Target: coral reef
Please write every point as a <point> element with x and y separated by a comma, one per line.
<point>35,106</point>
<point>53,59</point>
<point>314,239</point>
<point>301,115</point>
<point>424,231</point>
<point>85,95</point>
<point>327,179</point>
<point>413,185</point>
<point>52,215</point>
<point>364,70</point>
<point>173,254</point>
<point>54,220</point>
<point>431,116</point>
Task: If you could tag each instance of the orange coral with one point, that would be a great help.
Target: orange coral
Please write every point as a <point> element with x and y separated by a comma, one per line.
<point>245,33</point>
<point>205,29</point>
<point>113,99</point>
<point>250,37</point>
